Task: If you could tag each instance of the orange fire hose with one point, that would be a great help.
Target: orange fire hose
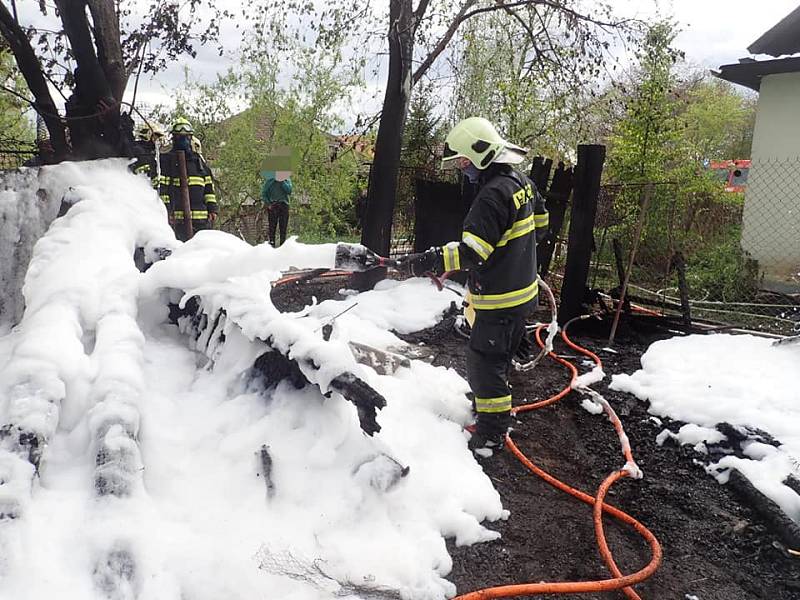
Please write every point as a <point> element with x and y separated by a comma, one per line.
<point>620,581</point>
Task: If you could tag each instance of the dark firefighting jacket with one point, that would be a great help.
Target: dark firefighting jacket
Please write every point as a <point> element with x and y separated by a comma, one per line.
<point>498,244</point>
<point>201,186</point>
<point>145,153</point>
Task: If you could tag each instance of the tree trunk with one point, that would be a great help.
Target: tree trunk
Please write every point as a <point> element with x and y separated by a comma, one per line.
<point>31,70</point>
<point>588,172</point>
<point>383,176</point>
<point>92,110</point>
<point>107,38</point>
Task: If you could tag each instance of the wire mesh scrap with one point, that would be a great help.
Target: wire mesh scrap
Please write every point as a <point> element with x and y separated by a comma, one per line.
<point>312,571</point>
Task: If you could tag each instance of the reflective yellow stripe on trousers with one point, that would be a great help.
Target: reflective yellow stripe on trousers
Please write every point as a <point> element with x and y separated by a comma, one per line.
<point>507,300</point>
<point>197,215</point>
<point>493,405</point>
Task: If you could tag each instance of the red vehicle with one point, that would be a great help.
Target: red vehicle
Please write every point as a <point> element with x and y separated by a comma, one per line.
<point>732,172</point>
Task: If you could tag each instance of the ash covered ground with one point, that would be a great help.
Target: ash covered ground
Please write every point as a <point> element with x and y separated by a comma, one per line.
<point>716,545</point>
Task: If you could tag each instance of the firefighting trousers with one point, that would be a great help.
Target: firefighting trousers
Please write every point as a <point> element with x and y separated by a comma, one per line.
<point>495,337</point>
<point>197,225</point>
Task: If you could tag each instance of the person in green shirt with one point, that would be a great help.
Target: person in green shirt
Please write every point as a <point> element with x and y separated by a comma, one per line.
<point>275,192</point>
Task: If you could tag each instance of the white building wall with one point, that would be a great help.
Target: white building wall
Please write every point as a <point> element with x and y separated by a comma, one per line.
<point>771,232</point>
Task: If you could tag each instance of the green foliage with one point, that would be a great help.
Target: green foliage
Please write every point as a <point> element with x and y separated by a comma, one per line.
<point>534,72</point>
<point>14,124</point>
<point>716,121</point>
<point>646,141</point>
<point>669,130</point>
<point>722,271</point>
<point>423,131</point>
<point>246,115</point>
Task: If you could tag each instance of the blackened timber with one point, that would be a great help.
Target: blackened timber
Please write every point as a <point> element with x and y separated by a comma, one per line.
<point>115,575</point>
<point>556,200</point>
<point>540,172</point>
<point>275,366</point>
<point>588,172</point>
<point>23,443</point>
<point>780,524</point>
<point>266,470</point>
<point>680,267</point>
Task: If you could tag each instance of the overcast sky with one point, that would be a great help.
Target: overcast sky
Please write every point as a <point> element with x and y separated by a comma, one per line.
<point>714,32</point>
<point>717,32</point>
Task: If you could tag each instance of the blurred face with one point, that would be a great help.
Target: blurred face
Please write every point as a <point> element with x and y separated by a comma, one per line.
<point>462,163</point>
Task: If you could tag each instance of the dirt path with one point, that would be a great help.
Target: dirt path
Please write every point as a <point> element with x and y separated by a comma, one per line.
<point>715,548</point>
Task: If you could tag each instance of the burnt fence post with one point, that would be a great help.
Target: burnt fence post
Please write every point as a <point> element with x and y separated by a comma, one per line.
<point>556,199</point>
<point>540,172</point>
<point>588,172</point>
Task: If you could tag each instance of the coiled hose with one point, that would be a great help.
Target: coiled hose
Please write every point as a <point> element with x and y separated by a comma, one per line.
<point>619,581</point>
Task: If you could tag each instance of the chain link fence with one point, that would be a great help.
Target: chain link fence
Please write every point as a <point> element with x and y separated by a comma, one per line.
<point>730,258</point>
<point>14,155</point>
<point>408,191</point>
<point>247,221</point>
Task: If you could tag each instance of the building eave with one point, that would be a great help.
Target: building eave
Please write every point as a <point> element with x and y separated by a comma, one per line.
<point>750,73</point>
<point>783,38</point>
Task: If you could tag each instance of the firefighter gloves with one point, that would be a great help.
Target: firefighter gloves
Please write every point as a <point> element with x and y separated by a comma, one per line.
<point>420,263</point>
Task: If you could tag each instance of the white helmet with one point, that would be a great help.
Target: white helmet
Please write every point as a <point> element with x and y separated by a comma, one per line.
<point>476,139</point>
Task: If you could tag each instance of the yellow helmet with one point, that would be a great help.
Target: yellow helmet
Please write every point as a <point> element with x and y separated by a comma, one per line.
<point>182,126</point>
<point>143,133</point>
<point>148,132</point>
<point>476,139</point>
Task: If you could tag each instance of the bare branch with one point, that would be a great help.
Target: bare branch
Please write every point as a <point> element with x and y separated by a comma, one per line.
<point>422,7</point>
<point>443,41</point>
<point>15,93</point>
<point>463,15</point>
<point>31,70</point>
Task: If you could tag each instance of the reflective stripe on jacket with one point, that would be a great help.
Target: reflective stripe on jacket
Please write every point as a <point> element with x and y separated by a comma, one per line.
<point>498,243</point>
<point>201,186</point>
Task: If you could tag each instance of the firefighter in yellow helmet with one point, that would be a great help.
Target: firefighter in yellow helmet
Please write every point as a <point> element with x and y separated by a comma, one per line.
<point>202,198</point>
<point>498,248</point>
<point>144,150</point>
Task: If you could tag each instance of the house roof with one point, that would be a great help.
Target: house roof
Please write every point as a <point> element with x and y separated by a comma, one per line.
<point>749,72</point>
<point>783,38</point>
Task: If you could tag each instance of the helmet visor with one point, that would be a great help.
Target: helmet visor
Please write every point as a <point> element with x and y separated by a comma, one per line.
<point>449,157</point>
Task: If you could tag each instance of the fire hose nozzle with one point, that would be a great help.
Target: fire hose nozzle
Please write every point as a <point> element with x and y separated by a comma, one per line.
<point>355,257</point>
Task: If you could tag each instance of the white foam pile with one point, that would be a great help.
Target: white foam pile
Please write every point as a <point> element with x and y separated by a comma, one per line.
<point>29,201</point>
<point>93,365</point>
<point>739,379</point>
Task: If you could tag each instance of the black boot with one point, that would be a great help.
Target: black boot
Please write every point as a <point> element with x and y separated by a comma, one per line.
<point>490,433</point>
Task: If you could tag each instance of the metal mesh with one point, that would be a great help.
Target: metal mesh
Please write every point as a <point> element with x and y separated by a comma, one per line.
<point>404,210</point>
<point>313,572</point>
<point>248,221</point>
<point>741,250</point>
<point>12,157</point>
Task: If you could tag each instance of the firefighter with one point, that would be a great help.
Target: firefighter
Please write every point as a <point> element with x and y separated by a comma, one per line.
<point>498,248</point>
<point>144,149</point>
<point>202,199</point>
